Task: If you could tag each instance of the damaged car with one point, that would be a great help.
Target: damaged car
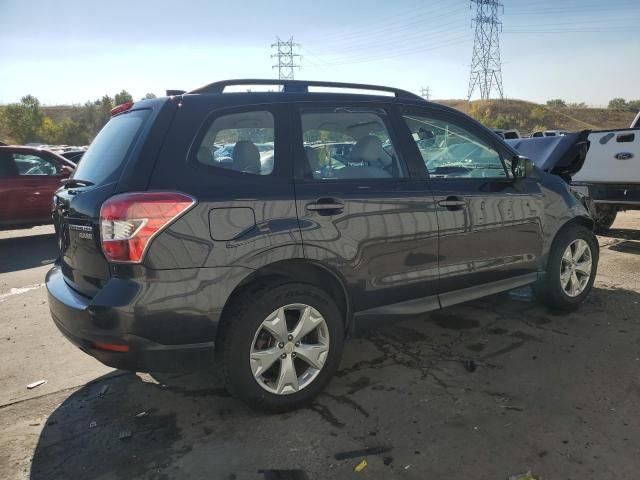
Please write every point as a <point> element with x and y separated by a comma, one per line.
<point>169,259</point>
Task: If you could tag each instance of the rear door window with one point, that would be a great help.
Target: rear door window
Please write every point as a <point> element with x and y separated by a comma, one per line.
<point>240,142</point>
<point>103,161</point>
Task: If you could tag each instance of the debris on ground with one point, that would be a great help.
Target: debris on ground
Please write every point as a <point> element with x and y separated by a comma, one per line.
<point>103,391</point>
<point>361,466</point>
<point>522,294</point>
<point>407,467</point>
<point>361,453</point>
<point>387,460</point>
<point>142,414</point>
<point>125,434</point>
<point>470,365</point>
<point>522,476</point>
<point>93,424</point>
<point>513,407</point>
<point>33,385</point>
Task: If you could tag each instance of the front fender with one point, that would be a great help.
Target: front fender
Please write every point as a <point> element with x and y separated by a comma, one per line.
<point>561,208</point>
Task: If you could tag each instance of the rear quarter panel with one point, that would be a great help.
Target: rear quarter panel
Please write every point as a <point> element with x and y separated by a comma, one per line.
<point>189,242</point>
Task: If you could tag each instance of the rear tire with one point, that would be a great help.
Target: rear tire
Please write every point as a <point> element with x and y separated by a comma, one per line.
<point>267,356</point>
<point>604,216</point>
<point>571,269</point>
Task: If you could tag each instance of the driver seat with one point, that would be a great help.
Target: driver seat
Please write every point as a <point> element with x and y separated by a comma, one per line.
<point>246,157</point>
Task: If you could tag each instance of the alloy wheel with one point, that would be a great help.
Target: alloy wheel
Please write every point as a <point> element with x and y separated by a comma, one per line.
<point>289,349</point>
<point>575,267</point>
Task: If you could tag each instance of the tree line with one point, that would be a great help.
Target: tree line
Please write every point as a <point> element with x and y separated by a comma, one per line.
<point>27,121</point>
<point>619,104</point>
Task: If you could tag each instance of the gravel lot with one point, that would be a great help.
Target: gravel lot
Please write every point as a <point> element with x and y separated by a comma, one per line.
<point>557,395</point>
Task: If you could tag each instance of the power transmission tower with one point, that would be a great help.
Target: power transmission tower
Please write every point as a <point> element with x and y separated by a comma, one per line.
<point>425,92</point>
<point>286,58</point>
<point>486,70</point>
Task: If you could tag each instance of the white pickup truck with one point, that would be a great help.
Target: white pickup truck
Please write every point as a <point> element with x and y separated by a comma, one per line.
<point>610,176</point>
<point>608,179</point>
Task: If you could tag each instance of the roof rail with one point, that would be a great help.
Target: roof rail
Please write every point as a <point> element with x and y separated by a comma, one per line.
<point>301,86</point>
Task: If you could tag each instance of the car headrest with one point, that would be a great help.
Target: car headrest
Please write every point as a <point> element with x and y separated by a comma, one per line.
<point>369,149</point>
<point>246,157</point>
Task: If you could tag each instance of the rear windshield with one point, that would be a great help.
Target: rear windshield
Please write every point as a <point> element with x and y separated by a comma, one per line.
<point>105,157</point>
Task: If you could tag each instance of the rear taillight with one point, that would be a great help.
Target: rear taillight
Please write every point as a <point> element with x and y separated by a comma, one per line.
<point>129,221</point>
<point>123,107</point>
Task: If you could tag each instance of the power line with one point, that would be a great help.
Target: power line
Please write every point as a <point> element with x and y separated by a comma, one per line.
<point>627,29</point>
<point>486,69</point>
<point>425,92</point>
<point>400,53</point>
<point>395,25</point>
<point>286,58</point>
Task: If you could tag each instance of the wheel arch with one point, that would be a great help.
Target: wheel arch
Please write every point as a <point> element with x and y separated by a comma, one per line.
<point>302,270</point>
<point>581,220</point>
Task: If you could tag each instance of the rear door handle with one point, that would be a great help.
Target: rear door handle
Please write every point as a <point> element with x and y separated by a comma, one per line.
<point>326,206</point>
<point>453,203</point>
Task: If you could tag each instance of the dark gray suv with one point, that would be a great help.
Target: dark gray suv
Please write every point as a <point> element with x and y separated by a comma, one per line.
<point>334,212</point>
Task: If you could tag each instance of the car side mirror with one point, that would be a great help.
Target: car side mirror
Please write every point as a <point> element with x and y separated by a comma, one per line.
<point>521,167</point>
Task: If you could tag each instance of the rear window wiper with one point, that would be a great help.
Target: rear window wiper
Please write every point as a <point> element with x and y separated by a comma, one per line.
<point>76,182</point>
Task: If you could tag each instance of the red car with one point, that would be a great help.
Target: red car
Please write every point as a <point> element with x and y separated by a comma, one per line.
<point>28,178</point>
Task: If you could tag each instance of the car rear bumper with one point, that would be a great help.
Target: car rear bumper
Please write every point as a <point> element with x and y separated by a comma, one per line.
<point>98,327</point>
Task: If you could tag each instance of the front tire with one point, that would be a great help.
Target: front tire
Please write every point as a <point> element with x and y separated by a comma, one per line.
<point>604,216</point>
<point>571,269</point>
<point>282,345</point>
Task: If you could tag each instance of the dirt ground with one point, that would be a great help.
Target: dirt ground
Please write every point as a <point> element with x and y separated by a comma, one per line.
<point>556,395</point>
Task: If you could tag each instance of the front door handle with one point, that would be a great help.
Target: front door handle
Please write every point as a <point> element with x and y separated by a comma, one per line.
<point>326,206</point>
<point>453,203</point>
<point>627,137</point>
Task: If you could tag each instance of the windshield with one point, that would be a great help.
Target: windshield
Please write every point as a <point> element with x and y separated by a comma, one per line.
<point>103,161</point>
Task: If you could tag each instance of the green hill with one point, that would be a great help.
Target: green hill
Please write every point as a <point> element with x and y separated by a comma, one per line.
<point>529,116</point>
<point>75,124</point>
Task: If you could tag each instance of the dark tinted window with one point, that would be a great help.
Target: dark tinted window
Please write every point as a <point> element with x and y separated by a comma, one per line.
<point>102,162</point>
<point>7,166</point>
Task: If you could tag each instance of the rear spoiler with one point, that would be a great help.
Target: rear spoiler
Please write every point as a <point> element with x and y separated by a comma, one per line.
<point>175,93</point>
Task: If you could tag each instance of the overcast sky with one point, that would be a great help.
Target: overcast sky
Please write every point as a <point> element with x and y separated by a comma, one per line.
<point>70,51</point>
